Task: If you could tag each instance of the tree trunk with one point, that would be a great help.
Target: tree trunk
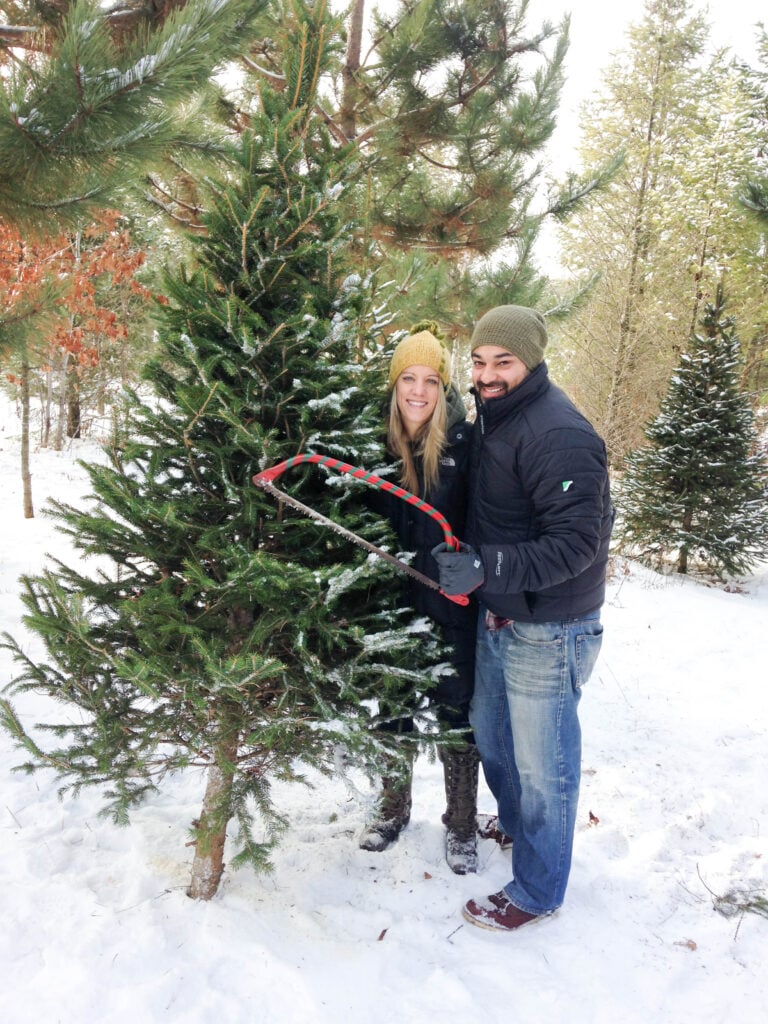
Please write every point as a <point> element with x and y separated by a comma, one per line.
<point>73,400</point>
<point>211,829</point>
<point>26,475</point>
<point>349,95</point>
<point>45,436</point>
<point>69,375</point>
<point>621,383</point>
<point>73,415</point>
<point>682,558</point>
<point>625,352</point>
<point>61,373</point>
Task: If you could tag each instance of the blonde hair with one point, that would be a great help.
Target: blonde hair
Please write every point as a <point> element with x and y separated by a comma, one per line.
<point>428,443</point>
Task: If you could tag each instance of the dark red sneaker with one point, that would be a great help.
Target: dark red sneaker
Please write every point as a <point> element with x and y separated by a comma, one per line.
<point>497,913</point>
<point>488,828</point>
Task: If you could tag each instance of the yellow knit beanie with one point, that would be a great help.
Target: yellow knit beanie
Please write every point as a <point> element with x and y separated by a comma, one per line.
<point>422,347</point>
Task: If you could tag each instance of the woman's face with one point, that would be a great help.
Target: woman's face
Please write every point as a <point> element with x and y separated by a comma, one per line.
<point>416,391</point>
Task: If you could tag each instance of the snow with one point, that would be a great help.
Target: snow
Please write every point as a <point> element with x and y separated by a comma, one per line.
<point>674,813</point>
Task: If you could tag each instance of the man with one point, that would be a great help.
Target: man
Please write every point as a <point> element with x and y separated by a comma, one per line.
<point>539,524</point>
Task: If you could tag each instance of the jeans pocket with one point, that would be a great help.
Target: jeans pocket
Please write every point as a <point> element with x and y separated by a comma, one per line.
<point>587,649</point>
<point>535,658</point>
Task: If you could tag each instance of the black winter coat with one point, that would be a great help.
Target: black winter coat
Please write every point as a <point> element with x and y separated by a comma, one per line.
<point>419,532</point>
<point>540,512</point>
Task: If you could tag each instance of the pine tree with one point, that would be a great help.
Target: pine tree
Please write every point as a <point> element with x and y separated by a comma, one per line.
<point>697,490</point>
<point>100,95</point>
<point>454,107</point>
<point>96,96</point>
<point>223,631</point>
<point>457,108</point>
<point>450,106</point>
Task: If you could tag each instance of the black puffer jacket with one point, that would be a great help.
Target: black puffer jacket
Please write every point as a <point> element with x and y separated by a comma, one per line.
<point>540,511</point>
<point>419,532</point>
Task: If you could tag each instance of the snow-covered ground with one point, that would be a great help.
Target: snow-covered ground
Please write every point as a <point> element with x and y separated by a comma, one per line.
<point>97,928</point>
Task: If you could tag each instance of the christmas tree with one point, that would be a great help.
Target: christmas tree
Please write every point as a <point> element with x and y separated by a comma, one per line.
<point>697,490</point>
<point>222,630</point>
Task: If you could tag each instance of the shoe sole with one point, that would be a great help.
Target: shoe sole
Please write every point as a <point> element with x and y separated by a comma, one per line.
<point>462,869</point>
<point>492,926</point>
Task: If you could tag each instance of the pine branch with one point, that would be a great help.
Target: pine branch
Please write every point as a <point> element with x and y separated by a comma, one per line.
<point>94,113</point>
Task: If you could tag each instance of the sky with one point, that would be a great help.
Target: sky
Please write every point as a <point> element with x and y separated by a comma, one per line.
<point>672,825</point>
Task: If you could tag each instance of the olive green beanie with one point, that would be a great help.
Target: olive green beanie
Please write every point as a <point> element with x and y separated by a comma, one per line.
<point>421,348</point>
<point>517,329</point>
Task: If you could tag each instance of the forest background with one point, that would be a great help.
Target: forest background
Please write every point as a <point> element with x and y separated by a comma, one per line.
<point>262,248</point>
<point>625,331</point>
<point>695,103</point>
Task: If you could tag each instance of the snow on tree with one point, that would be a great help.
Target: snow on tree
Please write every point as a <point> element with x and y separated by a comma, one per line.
<point>222,631</point>
<point>697,490</point>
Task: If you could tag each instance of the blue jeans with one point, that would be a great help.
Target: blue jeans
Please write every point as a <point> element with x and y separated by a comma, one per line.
<point>528,680</point>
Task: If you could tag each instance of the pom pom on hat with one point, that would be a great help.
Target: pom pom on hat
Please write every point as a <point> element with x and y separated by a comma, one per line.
<point>422,347</point>
<point>517,329</point>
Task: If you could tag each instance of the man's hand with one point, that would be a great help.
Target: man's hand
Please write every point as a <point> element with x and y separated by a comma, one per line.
<point>461,571</point>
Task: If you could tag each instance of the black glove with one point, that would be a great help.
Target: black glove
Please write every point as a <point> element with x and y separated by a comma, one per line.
<point>461,571</point>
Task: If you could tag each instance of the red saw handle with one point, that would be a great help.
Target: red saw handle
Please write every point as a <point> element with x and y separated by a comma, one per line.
<point>269,475</point>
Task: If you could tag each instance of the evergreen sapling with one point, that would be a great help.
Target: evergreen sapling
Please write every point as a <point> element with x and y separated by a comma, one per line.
<point>697,490</point>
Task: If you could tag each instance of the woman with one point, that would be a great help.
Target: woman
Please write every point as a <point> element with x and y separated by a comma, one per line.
<point>428,435</point>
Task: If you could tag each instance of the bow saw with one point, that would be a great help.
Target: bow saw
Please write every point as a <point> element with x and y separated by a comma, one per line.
<point>265,481</point>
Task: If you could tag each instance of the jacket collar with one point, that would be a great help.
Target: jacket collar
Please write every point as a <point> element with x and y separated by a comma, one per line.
<point>497,409</point>
<point>455,408</point>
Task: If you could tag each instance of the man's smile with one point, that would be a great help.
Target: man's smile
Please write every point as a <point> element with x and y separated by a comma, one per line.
<point>493,390</point>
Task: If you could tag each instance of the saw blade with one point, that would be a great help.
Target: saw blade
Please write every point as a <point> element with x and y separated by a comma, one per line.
<point>356,539</point>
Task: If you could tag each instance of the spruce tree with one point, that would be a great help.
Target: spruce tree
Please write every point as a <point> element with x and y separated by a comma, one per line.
<point>697,490</point>
<point>223,631</point>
